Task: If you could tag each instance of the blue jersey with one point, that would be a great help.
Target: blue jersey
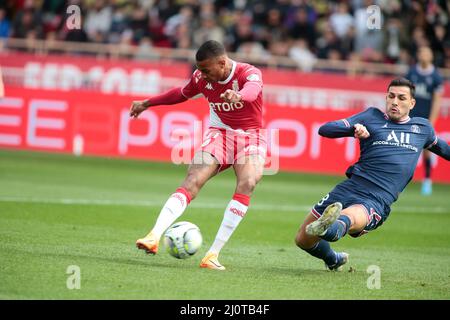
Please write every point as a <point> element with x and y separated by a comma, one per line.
<point>427,82</point>
<point>388,157</point>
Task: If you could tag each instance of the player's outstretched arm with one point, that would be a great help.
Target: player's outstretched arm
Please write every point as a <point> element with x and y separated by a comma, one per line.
<point>441,148</point>
<point>170,97</point>
<point>341,128</point>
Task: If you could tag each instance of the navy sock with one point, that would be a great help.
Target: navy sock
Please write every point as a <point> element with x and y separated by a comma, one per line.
<point>322,250</point>
<point>338,229</point>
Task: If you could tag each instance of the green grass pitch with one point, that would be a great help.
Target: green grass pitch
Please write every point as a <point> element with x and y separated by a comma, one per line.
<point>58,211</point>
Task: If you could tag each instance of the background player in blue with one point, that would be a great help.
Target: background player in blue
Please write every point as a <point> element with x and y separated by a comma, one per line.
<point>429,89</point>
<point>390,146</point>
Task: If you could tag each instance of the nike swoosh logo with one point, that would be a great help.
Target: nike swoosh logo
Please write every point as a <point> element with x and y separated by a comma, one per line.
<point>217,265</point>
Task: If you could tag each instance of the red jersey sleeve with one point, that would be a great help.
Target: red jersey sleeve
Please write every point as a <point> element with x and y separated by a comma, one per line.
<point>252,80</point>
<point>191,88</point>
<point>173,96</point>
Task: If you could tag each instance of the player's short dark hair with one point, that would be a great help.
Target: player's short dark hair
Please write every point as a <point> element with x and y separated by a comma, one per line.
<point>209,49</point>
<point>403,82</point>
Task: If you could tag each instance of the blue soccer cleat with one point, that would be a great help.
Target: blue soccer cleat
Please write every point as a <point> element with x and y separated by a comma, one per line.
<point>427,187</point>
<point>342,258</point>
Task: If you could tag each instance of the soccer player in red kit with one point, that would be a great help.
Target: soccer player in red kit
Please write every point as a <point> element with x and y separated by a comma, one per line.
<point>234,139</point>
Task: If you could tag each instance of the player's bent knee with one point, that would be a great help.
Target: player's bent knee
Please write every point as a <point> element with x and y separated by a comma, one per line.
<point>298,240</point>
<point>302,241</point>
<point>304,245</point>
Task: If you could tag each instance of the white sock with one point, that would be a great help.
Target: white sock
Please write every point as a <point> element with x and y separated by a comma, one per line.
<point>171,211</point>
<point>234,213</point>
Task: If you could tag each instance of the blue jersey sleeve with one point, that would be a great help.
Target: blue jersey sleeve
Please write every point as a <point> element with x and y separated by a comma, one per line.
<point>344,127</point>
<point>437,145</point>
<point>431,137</point>
<point>441,148</point>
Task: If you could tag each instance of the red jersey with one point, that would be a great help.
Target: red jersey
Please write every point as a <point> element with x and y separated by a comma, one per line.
<point>243,115</point>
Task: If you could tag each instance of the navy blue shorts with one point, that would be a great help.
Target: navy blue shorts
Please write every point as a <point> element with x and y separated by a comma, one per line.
<point>357,192</point>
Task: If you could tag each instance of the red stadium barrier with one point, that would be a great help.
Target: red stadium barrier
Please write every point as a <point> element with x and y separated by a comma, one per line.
<point>107,76</point>
<point>99,125</point>
<point>287,88</point>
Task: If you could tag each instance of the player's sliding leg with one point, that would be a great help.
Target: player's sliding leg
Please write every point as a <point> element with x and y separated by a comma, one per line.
<point>203,167</point>
<point>248,172</point>
<point>318,247</point>
<point>314,238</point>
<point>335,223</point>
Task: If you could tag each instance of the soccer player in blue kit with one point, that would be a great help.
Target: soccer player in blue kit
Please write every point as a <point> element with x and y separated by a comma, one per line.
<point>390,146</point>
<point>429,90</point>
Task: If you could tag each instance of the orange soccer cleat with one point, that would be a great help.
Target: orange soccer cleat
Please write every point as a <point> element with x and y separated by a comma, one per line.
<point>210,262</point>
<point>149,243</point>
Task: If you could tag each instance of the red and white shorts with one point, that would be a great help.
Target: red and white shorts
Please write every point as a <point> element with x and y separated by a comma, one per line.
<point>230,146</point>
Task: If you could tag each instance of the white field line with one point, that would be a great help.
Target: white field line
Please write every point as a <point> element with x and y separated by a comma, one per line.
<point>194,204</point>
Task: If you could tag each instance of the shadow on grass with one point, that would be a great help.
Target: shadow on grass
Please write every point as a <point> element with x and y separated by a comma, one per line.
<point>316,272</point>
<point>133,260</point>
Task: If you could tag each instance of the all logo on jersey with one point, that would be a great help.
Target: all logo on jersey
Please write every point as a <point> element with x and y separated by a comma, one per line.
<point>404,137</point>
<point>209,86</point>
<point>415,128</point>
<point>385,125</point>
<point>398,139</point>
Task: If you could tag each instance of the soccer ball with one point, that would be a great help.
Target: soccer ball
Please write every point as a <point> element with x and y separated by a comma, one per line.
<point>183,239</point>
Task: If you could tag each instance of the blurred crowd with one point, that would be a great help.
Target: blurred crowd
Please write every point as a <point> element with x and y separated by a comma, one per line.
<point>303,30</point>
